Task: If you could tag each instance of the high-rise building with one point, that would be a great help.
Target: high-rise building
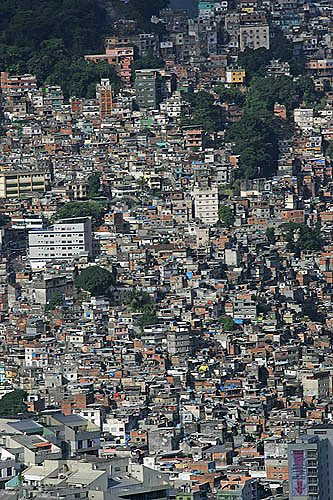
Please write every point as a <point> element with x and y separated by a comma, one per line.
<point>206,204</point>
<point>308,468</point>
<point>180,340</point>
<point>325,431</point>
<point>104,96</point>
<point>148,88</point>
<point>66,240</point>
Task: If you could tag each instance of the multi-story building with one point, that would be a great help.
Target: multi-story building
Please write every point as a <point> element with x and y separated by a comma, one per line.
<point>77,436</point>
<point>238,491</point>
<point>320,69</point>
<point>254,36</point>
<point>194,138</point>
<point>309,473</point>
<point>206,204</point>
<point>23,183</point>
<point>235,75</point>
<point>42,290</point>
<point>36,355</point>
<point>303,117</point>
<point>325,431</point>
<point>244,307</point>
<point>67,240</point>
<point>119,57</point>
<point>180,340</point>
<point>148,88</point>
<point>104,96</point>
<point>53,98</point>
<point>18,82</point>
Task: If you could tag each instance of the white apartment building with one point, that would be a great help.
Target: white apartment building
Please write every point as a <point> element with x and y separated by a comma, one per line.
<point>206,204</point>
<point>254,36</point>
<point>303,117</point>
<point>36,355</point>
<point>66,240</point>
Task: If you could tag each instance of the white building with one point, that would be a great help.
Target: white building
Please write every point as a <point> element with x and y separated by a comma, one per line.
<point>254,36</point>
<point>303,117</point>
<point>66,240</point>
<point>206,204</point>
<point>36,355</point>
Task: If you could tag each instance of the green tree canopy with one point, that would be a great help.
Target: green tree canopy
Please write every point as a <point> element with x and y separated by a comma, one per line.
<point>202,111</point>
<point>148,61</point>
<point>302,237</point>
<point>148,317</point>
<point>230,95</point>
<point>94,279</point>
<point>265,91</point>
<point>141,11</point>
<point>56,300</point>
<point>270,235</point>
<point>225,214</point>
<point>137,299</point>
<point>28,23</point>
<point>227,323</point>
<point>257,144</point>
<point>93,187</point>
<point>50,37</point>
<point>13,403</point>
<point>255,61</point>
<point>92,209</point>
<point>329,150</point>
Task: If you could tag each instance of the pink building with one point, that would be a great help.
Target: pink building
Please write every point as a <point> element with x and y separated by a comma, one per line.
<point>119,57</point>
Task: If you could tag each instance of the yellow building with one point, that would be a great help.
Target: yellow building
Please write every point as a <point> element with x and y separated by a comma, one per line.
<point>235,75</point>
<point>22,183</point>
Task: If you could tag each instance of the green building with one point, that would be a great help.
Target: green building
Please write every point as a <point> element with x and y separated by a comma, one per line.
<point>148,88</point>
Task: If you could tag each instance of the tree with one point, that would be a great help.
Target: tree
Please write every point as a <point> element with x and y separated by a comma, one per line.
<point>307,91</point>
<point>201,111</point>
<point>148,317</point>
<point>13,403</point>
<point>281,48</point>
<point>49,38</point>
<point>142,183</point>
<point>137,299</point>
<point>262,305</point>
<point>225,214</point>
<point>227,323</point>
<point>91,209</point>
<point>230,95</point>
<point>254,61</point>
<point>329,150</point>
<point>149,61</point>
<point>270,235</point>
<point>141,11</point>
<point>264,92</point>
<point>93,187</point>
<point>56,300</point>
<point>94,279</point>
<point>257,144</point>
<point>302,237</point>
<point>4,220</point>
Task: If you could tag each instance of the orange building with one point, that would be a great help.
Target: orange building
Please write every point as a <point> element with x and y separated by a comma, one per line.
<point>119,57</point>
<point>16,82</point>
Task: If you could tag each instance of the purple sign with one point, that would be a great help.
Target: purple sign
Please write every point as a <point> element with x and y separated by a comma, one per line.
<point>298,467</point>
